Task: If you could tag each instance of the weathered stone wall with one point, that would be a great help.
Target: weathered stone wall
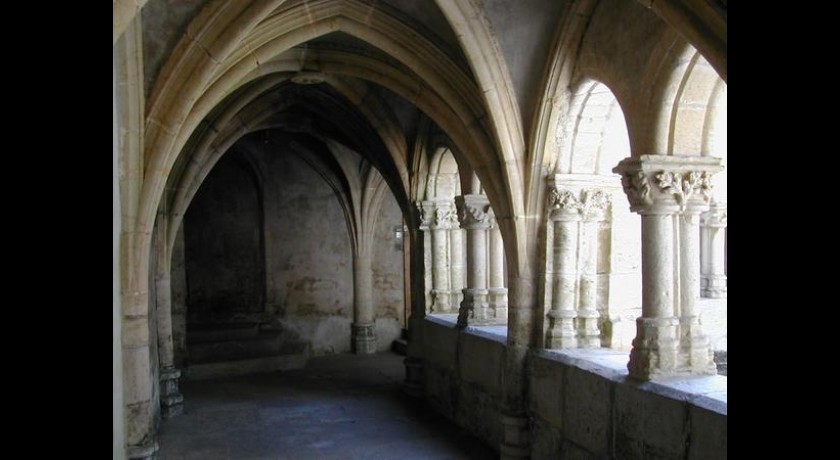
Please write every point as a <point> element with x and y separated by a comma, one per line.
<point>388,275</point>
<point>462,377</point>
<point>297,275</point>
<point>581,407</point>
<point>309,257</point>
<point>224,261</point>
<point>585,410</point>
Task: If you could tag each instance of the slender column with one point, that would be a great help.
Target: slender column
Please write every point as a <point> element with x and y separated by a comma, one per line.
<point>363,330</point>
<point>713,277</point>
<point>171,400</point>
<point>594,209</point>
<point>413,384</point>
<point>564,214</point>
<point>696,356</point>
<point>472,213</point>
<point>659,188</point>
<point>426,211</point>
<point>443,216</point>
<point>457,265</point>
<point>496,291</point>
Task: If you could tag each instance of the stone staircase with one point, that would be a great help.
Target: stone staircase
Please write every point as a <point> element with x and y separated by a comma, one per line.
<point>222,350</point>
<point>401,344</point>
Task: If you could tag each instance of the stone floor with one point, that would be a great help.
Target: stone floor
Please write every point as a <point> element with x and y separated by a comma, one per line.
<point>338,407</point>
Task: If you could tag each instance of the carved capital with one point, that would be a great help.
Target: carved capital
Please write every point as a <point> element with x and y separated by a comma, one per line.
<point>595,204</point>
<point>715,216</point>
<point>661,184</point>
<point>685,186</point>
<point>445,216</point>
<point>568,204</point>
<point>473,211</point>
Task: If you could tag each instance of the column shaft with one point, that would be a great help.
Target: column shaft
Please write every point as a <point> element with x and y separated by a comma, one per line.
<point>363,328</point>
<point>440,269</point>
<point>695,354</point>
<point>588,330</point>
<point>562,333</point>
<point>456,266</point>
<point>497,293</point>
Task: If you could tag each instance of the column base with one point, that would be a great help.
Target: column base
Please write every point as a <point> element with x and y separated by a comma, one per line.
<point>516,439</point>
<point>561,332</point>
<point>171,399</point>
<point>696,356</point>
<point>455,299</point>
<point>654,353</point>
<point>364,338</point>
<point>441,301</point>
<point>713,287</point>
<point>481,309</point>
<point>497,301</point>
<point>147,451</point>
<point>474,309</point>
<point>589,333</point>
<point>413,384</point>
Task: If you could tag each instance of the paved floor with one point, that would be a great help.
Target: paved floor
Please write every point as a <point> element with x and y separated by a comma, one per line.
<point>339,407</point>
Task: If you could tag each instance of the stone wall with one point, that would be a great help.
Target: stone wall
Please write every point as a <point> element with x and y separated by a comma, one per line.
<point>582,405</point>
<point>462,376</point>
<point>276,237</point>
<point>225,266</point>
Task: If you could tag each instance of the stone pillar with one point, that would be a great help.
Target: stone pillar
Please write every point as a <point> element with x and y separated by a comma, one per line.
<point>171,400</point>
<point>413,384</point>
<point>564,216</point>
<point>497,292</point>
<point>472,213</point>
<point>457,265</point>
<point>660,188</point>
<point>572,233</point>
<point>713,234</point>
<point>696,355</point>
<point>443,216</point>
<point>363,330</point>
<point>594,207</point>
<point>426,211</point>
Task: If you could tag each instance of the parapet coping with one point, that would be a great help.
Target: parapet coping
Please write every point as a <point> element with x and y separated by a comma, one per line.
<point>705,391</point>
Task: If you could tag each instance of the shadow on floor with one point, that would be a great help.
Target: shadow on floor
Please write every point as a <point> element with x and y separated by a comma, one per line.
<point>338,407</point>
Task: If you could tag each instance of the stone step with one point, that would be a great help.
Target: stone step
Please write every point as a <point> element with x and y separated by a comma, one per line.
<point>209,332</point>
<point>293,355</point>
<point>400,346</point>
<point>263,344</point>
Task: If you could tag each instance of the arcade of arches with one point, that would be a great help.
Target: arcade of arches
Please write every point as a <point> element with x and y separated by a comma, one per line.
<point>530,194</point>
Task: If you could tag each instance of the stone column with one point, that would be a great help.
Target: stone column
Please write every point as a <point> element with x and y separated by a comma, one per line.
<point>456,264</point>
<point>472,213</point>
<point>363,330</point>
<point>497,292</point>
<point>696,356</point>
<point>426,211</point>
<point>413,384</point>
<point>594,209</point>
<point>171,400</point>
<point>564,216</point>
<point>443,216</point>
<point>713,234</point>
<point>660,187</point>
